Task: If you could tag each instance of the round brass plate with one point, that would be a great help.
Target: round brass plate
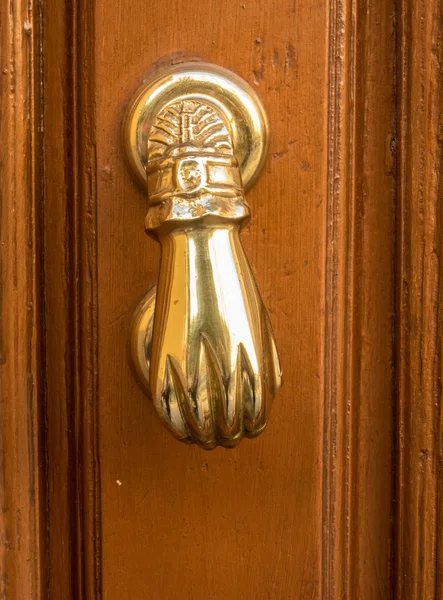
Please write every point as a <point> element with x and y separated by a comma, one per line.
<point>225,90</point>
<point>141,337</point>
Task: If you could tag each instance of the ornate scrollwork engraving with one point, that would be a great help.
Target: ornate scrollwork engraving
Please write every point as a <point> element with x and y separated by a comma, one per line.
<point>191,168</point>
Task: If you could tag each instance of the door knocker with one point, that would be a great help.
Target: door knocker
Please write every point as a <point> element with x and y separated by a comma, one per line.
<point>201,341</point>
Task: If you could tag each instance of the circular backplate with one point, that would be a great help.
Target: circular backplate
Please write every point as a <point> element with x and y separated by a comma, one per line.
<point>141,337</point>
<point>239,103</point>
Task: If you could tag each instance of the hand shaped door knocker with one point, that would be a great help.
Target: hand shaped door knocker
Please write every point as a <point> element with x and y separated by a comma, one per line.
<point>201,341</point>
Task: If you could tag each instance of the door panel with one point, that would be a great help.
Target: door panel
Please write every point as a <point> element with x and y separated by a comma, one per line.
<point>258,521</point>
<point>217,524</point>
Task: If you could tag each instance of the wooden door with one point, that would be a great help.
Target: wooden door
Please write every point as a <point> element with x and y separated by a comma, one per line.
<point>342,496</point>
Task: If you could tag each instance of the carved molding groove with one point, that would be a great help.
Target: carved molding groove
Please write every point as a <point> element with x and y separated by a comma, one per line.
<point>419,432</point>
<point>359,303</point>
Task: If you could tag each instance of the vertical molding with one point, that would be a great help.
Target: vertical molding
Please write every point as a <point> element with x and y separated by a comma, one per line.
<point>335,552</point>
<point>87,417</point>
<point>74,510</point>
<point>22,530</point>
<point>359,302</point>
<point>419,493</point>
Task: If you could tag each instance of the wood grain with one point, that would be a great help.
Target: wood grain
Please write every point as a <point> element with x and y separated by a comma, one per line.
<point>22,487</point>
<point>419,517</point>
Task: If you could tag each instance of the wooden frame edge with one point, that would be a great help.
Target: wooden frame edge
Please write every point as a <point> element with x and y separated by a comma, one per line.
<point>419,432</point>
<point>71,309</point>
<point>359,302</point>
<point>22,420</point>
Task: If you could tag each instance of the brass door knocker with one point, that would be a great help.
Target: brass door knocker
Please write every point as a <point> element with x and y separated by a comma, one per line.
<point>201,341</point>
